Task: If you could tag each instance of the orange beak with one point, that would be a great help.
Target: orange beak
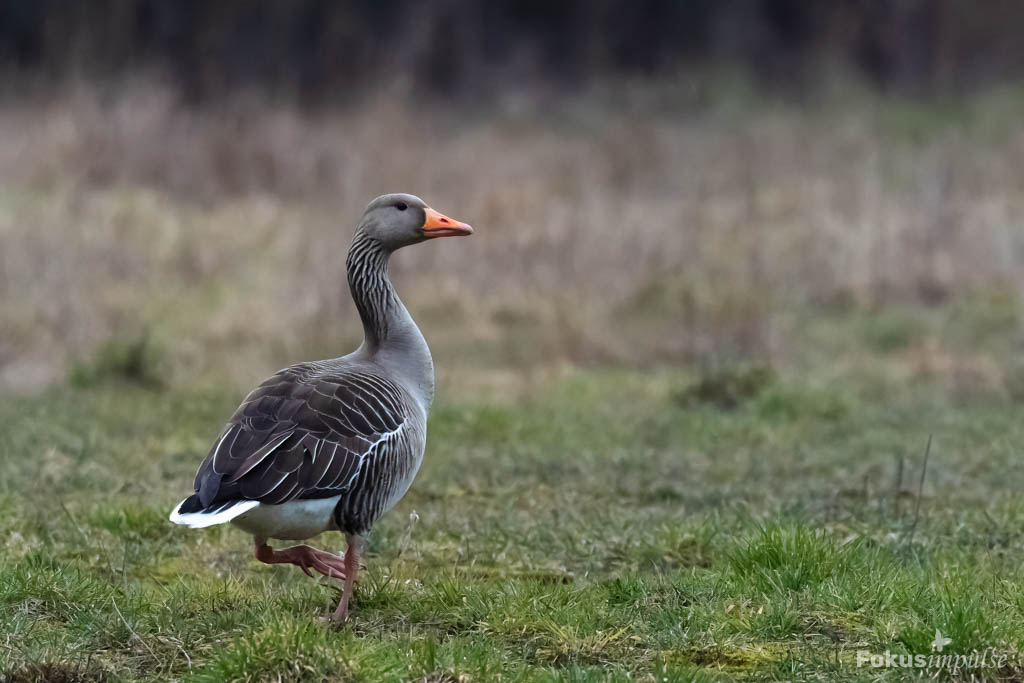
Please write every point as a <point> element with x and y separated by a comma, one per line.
<point>439,225</point>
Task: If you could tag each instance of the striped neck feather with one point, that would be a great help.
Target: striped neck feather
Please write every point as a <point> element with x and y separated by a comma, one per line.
<point>390,336</point>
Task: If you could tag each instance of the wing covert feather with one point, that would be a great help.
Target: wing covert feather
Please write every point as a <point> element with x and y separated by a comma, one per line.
<point>303,433</point>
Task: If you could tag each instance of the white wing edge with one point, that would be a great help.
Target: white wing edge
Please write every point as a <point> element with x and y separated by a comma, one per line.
<point>212,516</point>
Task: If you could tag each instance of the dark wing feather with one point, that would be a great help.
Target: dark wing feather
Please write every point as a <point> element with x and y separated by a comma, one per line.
<point>303,433</point>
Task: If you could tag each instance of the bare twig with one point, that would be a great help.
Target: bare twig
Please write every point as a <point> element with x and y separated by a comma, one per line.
<point>73,521</point>
<point>132,631</point>
<point>920,491</point>
<point>899,474</point>
<point>187,658</point>
<point>898,488</point>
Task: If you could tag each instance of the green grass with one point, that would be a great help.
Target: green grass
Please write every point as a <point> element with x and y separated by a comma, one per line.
<point>804,294</point>
<point>585,526</point>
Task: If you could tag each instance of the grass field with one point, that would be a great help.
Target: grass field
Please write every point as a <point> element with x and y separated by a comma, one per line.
<point>688,370</point>
<point>590,525</point>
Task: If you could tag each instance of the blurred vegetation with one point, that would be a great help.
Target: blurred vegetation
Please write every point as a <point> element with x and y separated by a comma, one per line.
<point>729,386</point>
<point>610,233</point>
<point>132,359</point>
<point>324,52</point>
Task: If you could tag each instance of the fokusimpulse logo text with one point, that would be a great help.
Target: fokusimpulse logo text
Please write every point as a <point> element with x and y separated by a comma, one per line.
<point>988,658</point>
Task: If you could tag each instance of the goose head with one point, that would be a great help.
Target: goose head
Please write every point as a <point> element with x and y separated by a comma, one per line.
<point>398,220</point>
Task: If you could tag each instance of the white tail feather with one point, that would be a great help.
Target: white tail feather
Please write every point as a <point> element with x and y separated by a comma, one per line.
<point>198,520</point>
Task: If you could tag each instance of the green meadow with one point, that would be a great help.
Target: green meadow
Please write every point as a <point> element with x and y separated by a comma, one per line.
<point>729,392</point>
<point>589,525</point>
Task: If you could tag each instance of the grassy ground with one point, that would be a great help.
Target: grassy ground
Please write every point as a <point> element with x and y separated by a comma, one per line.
<point>688,367</point>
<point>582,525</point>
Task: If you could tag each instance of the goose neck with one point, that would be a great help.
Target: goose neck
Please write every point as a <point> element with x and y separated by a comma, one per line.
<point>390,335</point>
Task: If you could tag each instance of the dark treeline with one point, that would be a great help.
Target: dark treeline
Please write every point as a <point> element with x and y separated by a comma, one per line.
<point>322,50</point>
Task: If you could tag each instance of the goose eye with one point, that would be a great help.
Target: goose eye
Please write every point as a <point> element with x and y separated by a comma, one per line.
<point>401,206</point>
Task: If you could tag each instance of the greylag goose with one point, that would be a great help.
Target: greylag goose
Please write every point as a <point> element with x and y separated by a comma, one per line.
<point>332,444</point>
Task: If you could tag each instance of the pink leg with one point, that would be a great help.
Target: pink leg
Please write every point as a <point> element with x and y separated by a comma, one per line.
<point>352,555</point>
<point>304,557</point>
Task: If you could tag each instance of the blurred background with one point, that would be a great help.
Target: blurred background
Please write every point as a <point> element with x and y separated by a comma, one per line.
<point>777,185</point>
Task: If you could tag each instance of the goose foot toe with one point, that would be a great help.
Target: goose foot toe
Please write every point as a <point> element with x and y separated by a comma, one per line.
<point>305,558</point>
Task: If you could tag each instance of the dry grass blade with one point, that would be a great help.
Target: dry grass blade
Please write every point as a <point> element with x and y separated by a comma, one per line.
<point>920,491</point>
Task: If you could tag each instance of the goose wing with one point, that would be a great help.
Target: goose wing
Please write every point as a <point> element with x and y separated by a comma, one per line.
<point>303,433</point>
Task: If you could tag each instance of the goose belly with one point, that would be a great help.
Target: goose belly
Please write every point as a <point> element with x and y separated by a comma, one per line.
<point>292,521</point>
